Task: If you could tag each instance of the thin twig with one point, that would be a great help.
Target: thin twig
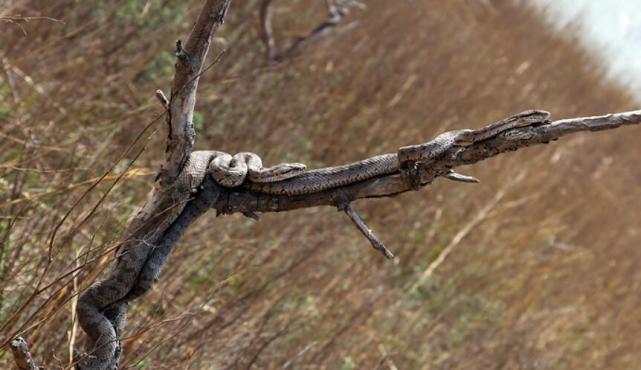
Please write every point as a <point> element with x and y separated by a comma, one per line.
<point>17,20</point>
<point>365,230</point>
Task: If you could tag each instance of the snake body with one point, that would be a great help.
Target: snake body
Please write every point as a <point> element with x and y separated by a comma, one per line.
<point>327,178</point>
<point>432,149</point>
<point>331,177</point>
<point>102,307</point>
<point>231,171</point>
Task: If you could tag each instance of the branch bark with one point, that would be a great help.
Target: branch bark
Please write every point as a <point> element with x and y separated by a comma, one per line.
<point>102,308</point>
<point>190,59</point>
<point>181,136</point>
<point>244,200</point>
<point>336,11</point>
<point>21,354</point>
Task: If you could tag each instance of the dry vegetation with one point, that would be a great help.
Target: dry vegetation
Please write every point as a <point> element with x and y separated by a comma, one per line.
<point>547,278</point>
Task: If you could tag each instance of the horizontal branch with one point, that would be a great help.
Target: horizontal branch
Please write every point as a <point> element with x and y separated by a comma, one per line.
<point>247,201</point>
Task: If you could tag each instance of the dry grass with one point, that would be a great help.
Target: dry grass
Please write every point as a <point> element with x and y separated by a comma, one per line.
<point>549,278</point>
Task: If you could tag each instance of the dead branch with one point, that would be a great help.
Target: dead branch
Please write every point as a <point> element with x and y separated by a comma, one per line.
<point>21,354</point>
<point>266,30</point>
<point>249,202</point>
<point>336,11</point>
<point>244,200</point>
<point>189,64</point>
<point>102,307</point>
<point>190,59</point>
<point>152,234</point>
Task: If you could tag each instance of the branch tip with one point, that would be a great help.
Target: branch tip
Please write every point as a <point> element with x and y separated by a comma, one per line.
<point>455,176</point>
<point>21,354</point>
<point>162,99</point>
<point>253,215</point>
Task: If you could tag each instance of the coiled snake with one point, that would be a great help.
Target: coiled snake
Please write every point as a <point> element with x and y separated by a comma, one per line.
<point>102,307</point>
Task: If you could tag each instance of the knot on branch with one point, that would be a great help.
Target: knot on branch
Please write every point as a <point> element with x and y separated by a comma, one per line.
<point>221,12</point>
<point>181,53</point>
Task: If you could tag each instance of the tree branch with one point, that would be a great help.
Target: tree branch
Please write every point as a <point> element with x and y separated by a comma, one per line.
<point>336,11</point>
<point>189,63</point>
<point>152,220</point>
<point>176,202</point>
<point>266,30</point>
<point>21,354</point>
<point>245,200</point>
<point>102,307</point>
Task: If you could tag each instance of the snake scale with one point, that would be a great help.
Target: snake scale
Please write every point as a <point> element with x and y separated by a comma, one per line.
<point>102,307</point>
<point>327,178</point>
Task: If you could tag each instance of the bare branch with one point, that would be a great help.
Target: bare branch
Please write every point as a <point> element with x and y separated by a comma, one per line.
<point>336,11</point>
<point>189,63</point>
<point>21,354</point>
<point>102,308</point>
<point>245,200</point>
<point>162,99</point>
<point>365,230</point>
<point>266,30</point>
<point>183,191</point>
<point>18,20</point>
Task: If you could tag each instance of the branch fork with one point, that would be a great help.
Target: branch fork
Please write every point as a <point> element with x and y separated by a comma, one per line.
<point>344,205</point>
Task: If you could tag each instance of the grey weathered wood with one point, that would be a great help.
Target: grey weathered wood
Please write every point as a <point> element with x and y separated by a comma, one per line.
<point>244,200</point>
<point>102,307</point>
<point>365,230</point>
<point>21,354</point>
<point>336,11</point>
<point>189,65</point>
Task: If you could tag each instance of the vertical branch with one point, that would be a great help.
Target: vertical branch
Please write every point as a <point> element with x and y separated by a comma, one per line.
<point>21,355</point>
<point>190,58</point>
<point>266,29</point>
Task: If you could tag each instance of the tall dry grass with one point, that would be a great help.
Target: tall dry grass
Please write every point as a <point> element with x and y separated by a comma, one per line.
<point>543,275</point>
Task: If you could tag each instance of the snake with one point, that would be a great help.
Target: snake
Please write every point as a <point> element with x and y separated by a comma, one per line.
<point>231,171</point>
<point>102,307</point>
<point>431,150</point>
<point>316,180</point>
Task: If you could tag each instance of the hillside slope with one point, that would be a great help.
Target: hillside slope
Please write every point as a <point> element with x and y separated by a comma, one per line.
<point>546,278</point>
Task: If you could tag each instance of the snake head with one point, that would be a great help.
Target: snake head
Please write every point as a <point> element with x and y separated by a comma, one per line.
<point>532,116</point>
<point>288,170</point>
<point>465,137</point>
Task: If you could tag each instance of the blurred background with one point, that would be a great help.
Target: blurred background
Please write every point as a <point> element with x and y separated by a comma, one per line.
<point>537,267</point>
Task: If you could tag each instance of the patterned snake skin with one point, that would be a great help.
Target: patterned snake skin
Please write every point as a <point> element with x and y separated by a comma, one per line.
<point>327,178</point>
<point>102,308</point>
